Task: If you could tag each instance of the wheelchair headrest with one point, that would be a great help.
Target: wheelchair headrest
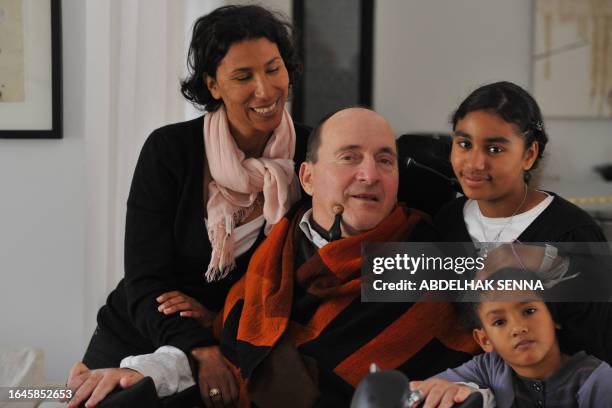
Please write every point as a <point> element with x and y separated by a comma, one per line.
<point>427,180</point>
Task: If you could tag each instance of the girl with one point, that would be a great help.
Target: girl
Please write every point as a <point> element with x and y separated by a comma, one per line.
<point>498,140</point>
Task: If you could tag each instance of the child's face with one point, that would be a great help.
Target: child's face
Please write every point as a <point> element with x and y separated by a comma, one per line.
<point>522,333</point>
<point>489,157</point>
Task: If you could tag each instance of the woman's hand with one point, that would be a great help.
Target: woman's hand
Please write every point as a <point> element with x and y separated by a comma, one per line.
<point>214,373</point>
<point>175,301</point>
<point>441,393</point>
<point>97,384</point>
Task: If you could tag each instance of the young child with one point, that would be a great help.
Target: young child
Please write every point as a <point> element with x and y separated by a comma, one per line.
<point>523,364</point>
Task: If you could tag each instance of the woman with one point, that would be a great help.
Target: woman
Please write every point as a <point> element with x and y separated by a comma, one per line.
<point>202,192</point>
<point>498,139</point>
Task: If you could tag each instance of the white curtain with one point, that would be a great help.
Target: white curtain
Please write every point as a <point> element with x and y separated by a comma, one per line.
<point>135,57</point>
<point>147,63</point>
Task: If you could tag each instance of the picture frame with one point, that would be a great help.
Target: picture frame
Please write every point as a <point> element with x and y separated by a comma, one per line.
<point>335,41</point>
<point>30,69</point>
<point>571,78</point>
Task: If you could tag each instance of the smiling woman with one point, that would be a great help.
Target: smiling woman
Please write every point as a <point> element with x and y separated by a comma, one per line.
<point>203,195</point>
<point>253,84</point>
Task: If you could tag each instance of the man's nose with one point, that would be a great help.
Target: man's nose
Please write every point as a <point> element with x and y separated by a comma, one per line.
<point>368,171</point>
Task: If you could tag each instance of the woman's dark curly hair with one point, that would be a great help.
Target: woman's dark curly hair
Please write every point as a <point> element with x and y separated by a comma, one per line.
<point>514,105</point>
<point>216,32</point>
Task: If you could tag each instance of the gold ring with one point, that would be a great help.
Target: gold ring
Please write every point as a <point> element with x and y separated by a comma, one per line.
<point>214,392</point>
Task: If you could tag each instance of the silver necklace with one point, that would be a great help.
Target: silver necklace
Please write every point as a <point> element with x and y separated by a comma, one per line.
<point>489,245</point>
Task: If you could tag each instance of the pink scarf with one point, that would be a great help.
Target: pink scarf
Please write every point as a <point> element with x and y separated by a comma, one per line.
<point>238,181</point>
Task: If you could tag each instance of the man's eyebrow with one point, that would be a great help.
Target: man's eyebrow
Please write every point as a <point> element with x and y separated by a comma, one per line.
<point>382,150</point>
<point>248,69</point>
<point>387,150</point>
<point>347,148</point>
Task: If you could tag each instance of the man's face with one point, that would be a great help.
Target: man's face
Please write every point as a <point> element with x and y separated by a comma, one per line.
<point>357,168</point>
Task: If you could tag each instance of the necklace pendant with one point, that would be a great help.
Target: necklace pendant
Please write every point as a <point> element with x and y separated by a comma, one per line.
<point>486,248</point>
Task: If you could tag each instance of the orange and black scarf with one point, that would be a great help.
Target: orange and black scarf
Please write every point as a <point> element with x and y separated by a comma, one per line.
<point>315,308</point>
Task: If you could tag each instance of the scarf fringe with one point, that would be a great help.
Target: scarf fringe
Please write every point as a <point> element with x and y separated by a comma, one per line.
<point>227,206</point>
<point>217,273</point>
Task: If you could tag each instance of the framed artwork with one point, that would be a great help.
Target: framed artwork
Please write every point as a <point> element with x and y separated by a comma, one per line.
<point>30,69</point>
<point>572,58</point>
<point>335,39</point>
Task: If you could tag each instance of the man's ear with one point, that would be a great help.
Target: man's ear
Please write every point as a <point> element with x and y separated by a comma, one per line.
<point>482,339</point>
<point>213,87</point>
<point>305,175</point>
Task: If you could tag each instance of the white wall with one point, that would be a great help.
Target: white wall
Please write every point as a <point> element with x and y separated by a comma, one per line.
<point>430,54</point>
<point>42,223</point>
<point>63,201</point>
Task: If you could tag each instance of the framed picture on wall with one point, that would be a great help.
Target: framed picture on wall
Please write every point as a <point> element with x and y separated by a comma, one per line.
<point>30,69</point>
<point>572,58</point>
<point>335,39</point>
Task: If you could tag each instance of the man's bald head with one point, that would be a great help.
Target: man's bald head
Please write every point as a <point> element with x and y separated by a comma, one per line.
<point>314,141</point>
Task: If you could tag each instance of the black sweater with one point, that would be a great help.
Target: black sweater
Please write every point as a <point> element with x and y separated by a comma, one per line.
<point>561,221</point>
<point>166,243</point>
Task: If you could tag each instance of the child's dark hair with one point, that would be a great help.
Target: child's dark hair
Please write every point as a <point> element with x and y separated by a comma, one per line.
<point>514,105</point>
<point>469,310</point>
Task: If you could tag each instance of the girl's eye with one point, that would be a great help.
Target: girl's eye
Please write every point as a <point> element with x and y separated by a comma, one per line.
<point>498,322</point>
<point>273,70</point>
<point>495,149</point>
<point>530,311</point>
<point>464,144</point>
<point>243,78</point>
